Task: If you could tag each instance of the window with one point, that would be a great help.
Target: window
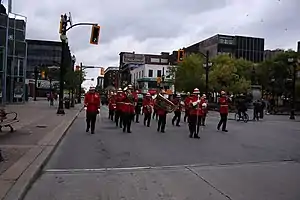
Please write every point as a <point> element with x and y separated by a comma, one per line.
<point>155,60</point>
<point>158,73</point>
<point>163,60</point>
<point>150,73</point>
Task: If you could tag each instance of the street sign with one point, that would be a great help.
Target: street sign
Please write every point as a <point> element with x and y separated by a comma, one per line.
<point>132,58</point>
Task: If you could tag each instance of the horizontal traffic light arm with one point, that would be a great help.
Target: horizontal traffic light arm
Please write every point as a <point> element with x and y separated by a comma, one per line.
<point>82,24</point>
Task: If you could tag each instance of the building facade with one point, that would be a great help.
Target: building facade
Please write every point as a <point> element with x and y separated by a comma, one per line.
<point>42,54</point>
<point>269,54</point>
<point>13,62</point>
<point>111,77</point>
<point>100,82</point>
<point>248,48</point>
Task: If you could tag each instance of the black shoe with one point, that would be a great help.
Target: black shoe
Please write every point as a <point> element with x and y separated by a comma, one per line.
<point>128,131</point>
<point>218,128</point>
<point>137,122</point>
<point>124,130</point>
<point>172,123</point>
<point>92,132</point>
<point>87,130</point>
<point>148,125</point>
<point>178,125</point>
<point>225,131</point>
<point>162,131</point>
<point>196,136</point>
<point>157,129</point>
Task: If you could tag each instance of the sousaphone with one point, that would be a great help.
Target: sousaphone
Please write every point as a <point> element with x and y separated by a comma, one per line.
<point>165,103</point>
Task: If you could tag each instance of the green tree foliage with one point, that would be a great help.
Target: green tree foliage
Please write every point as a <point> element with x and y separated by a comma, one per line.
<point>276,73</point>
<point>189,73</point>
<point>229,74</point>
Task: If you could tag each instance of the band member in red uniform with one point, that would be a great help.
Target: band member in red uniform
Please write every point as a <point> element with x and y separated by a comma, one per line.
<point>177,112</point>
<point>92,105</point>
<point>162,116</point>
<point>129,107</point>
<point>187,102</point>
<point>111,106</point>
<point>195,114</point>
<point>223,102</point>
<point>119,106</point>
<point>205,109</point>
<point>147,109</point>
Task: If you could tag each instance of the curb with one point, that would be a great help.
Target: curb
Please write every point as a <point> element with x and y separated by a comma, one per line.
<point>39,158</point>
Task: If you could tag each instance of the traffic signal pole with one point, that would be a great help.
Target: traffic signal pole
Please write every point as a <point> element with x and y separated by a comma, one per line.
<point>64,40</point>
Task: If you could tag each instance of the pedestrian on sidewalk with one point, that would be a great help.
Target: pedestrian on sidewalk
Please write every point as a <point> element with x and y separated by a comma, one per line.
<point>223,102</point>
<point>92,105</point>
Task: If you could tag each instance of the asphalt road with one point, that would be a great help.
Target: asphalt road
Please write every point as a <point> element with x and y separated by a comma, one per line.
<point>254,160</point>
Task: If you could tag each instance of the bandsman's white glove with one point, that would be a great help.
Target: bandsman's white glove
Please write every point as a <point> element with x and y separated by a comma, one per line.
<point>85,108</point>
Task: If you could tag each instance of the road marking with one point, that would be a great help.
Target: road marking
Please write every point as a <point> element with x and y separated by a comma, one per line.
<point>166,167</point>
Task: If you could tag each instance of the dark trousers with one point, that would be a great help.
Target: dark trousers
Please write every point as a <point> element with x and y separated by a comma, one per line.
<point>223,121</point>
<point>255,114</point>
<point>111,114</point>
<point>203,119</point>
<point>177,116</point>
<point>155,115</point>
<point>194,124</point>
<point>91,120</point>
<point>161,125</point>
<point>1,157</point>
<point>137,113</point>
<point>147,119</point>
<point>118,118</point>
<point>127,118</point>
<point>186,115</point>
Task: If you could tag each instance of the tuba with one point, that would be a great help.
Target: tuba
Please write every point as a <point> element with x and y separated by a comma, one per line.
<point>164,103</point>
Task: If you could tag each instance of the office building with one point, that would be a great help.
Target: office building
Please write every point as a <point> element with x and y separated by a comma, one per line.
<point>42,54</point>
<point>145,73</point>
<point>111,77</point>
<point>269,54</point>
<point>13,75</point>
<point>248,48</point>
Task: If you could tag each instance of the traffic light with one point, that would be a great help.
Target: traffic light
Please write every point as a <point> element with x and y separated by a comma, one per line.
<point>62,25</point>
<point>180,55</point>
<point>43,74</point>
<point>95,34</point>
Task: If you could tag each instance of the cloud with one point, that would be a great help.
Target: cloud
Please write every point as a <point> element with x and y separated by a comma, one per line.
<point>159,25</point>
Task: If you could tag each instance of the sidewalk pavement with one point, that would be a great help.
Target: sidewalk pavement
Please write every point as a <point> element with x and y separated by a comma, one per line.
<point>27,149</point>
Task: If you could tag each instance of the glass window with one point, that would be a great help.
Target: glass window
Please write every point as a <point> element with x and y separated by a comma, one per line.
<point>158,73</point>
<point>150,73</point>
<point>155,60</point>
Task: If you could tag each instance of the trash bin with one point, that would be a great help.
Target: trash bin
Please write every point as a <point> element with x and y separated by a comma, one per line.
<point>67,104</point>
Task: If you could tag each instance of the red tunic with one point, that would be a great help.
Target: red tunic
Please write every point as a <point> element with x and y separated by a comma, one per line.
<point>147,105</point>
<point>129,101</point>
<point>196,110</point>
<point>112,103</point>
<point>119,103</point>
<point>223,101</point>
<point>92,102</point>
<point>177,103</point>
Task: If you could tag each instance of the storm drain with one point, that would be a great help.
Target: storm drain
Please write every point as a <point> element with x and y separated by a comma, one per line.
<point>41,126</point>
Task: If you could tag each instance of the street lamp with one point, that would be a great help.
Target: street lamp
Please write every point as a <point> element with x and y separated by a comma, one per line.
<point>207,66</point>
<point>292,62</point>
<point>72,97</point>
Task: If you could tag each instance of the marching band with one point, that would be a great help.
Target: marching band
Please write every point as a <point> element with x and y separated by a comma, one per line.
<point>123,106</point>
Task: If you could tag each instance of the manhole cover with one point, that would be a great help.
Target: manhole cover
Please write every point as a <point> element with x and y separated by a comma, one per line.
<point>41,126</point>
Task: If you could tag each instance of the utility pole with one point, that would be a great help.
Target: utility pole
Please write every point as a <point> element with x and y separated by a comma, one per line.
<point>63,30</point>
<point>36,73</point>
<point>206,72</point>
<point>79,86</point>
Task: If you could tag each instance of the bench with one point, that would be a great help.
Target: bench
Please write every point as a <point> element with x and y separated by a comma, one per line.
<point>7,119</point>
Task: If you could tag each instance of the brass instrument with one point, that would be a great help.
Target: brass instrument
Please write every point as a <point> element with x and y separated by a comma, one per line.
<point>165,103</point>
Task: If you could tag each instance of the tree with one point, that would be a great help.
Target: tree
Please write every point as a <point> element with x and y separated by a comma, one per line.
<point>73,79</point>
<point>229,74</point>
<point>189,73</point>
<point>275,74</point>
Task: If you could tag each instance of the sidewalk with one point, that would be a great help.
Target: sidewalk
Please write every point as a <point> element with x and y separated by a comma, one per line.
<point>36,136</point>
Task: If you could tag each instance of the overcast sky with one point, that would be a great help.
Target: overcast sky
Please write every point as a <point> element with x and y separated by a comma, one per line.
<point>153,26</point>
